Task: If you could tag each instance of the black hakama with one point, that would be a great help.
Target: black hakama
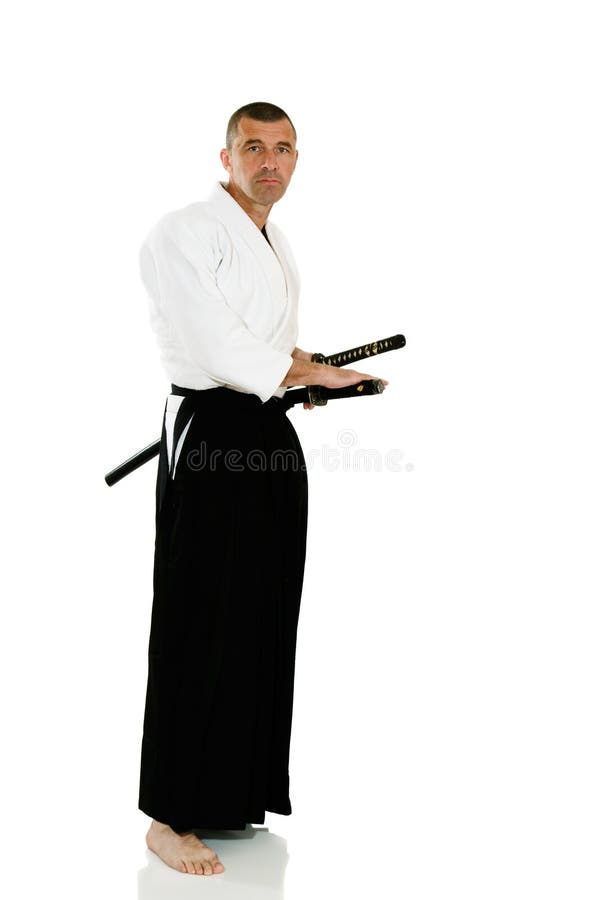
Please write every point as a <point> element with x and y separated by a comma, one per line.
<point>228,571</point>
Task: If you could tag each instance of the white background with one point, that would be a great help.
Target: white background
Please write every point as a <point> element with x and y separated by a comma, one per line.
<point>446,737</point>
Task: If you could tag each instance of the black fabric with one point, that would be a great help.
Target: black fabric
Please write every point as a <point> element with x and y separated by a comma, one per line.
<point>228,571</point>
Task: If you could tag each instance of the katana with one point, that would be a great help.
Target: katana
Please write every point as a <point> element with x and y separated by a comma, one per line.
<point>315,394</point>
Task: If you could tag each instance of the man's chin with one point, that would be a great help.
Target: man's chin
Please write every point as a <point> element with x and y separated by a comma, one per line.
<point>269,193</point>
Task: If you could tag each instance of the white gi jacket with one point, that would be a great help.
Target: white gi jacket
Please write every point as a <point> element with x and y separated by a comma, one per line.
<point>223,303</point>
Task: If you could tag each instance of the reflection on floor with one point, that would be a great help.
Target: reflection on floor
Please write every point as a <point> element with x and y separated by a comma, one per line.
<point>255,861</point>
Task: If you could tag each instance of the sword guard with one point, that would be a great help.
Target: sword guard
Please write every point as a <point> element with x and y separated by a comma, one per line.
<point>315,395</point>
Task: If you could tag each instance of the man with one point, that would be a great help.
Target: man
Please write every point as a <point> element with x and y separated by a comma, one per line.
<point>230,518</point>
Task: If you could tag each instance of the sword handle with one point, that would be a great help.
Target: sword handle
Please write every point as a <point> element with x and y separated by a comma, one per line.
<point>395,342</point>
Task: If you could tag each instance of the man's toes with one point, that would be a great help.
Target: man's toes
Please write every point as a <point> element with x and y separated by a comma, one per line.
<point>207,868</point>
<point>218,867</point>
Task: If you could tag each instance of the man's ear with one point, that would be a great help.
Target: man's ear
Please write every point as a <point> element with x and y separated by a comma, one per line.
<point>226,159</point>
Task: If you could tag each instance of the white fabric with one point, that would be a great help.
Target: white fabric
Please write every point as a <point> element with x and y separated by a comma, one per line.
<point>174,401</point>
<point>179,447</point>
<point>223,303</point>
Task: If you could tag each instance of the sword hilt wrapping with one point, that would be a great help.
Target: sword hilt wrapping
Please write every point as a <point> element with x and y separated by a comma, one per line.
<point>376,348</point>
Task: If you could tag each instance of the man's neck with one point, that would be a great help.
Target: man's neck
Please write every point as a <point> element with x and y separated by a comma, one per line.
<point>259,214</point>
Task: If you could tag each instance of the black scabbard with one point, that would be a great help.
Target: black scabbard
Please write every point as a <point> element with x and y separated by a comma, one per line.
<point>133,463</point>
<point>319,395</point>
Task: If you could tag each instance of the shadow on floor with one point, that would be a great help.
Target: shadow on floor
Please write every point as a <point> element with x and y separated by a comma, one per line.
<point>255,861</point>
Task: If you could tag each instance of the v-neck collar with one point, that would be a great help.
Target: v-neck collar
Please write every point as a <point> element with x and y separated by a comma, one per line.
<point>233,216</point>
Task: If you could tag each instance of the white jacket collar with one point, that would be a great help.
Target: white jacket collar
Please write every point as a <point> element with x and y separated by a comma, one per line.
<point>234,218</point>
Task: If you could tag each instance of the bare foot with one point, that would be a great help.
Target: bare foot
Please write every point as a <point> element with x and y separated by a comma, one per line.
<point>184,852</point>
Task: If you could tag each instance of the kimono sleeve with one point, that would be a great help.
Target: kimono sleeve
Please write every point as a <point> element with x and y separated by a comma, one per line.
<point>180,269</point>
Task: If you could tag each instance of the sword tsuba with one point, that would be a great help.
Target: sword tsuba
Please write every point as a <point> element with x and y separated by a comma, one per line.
<point>315,395</point>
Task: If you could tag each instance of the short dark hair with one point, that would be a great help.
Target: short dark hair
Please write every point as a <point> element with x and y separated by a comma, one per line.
<point>262,112</point>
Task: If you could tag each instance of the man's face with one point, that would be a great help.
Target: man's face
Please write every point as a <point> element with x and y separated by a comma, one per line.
<point>261,161</point>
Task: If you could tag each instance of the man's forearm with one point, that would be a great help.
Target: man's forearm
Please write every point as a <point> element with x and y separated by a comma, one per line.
<point>303,372</point>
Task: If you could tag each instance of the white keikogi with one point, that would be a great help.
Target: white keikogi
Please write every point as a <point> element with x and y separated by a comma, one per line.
<point>223,300</point>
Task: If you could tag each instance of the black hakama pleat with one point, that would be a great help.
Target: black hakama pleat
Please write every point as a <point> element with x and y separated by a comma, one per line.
<point>228,571</point>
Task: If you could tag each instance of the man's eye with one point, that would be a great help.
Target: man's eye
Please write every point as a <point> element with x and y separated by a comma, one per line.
<point>283,150</point>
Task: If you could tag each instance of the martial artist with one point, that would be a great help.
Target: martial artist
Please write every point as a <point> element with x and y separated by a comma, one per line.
<point>231,504</point>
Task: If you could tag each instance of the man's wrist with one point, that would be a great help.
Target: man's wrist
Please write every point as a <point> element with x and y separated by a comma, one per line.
<point>303,372</point>
<point>301,354</point>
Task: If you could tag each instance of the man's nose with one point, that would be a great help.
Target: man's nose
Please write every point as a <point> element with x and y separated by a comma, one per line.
<point>270,161</point>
